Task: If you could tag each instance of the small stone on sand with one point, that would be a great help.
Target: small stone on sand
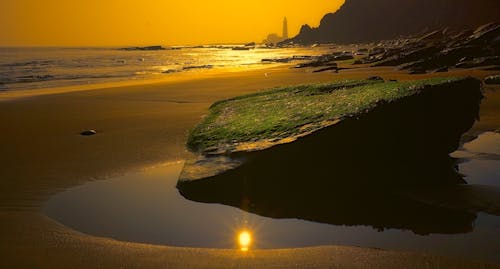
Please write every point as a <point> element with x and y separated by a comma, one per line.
<point>88,132</point>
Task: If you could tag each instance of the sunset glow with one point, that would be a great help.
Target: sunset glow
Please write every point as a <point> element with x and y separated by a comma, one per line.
<point>128,22</point>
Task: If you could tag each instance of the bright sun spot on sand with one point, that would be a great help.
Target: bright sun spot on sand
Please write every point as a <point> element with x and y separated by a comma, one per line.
<point>244,240</point>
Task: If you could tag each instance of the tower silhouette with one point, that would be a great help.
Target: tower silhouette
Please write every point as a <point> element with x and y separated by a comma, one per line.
<point>285,28</point>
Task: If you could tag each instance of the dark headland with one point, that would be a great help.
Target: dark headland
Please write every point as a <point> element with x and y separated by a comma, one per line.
<point>371,20</point>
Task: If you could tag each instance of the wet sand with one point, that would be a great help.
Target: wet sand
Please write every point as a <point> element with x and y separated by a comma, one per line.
<point>42,153</point>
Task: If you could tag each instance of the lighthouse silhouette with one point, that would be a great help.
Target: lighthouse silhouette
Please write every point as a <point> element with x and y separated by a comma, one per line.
<point>285,29</point>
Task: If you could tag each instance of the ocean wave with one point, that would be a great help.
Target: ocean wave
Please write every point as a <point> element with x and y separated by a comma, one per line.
<point>42,78</point>
<point>30,63</point>
<point>33,68</point>
<point>33,78</point>
<point>187,68</point>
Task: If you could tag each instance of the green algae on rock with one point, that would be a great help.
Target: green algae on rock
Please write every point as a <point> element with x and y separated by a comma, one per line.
<point>260,120</point>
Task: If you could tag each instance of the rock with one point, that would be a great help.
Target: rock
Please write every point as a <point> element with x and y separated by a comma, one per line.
<point>169,71</point>
<point>493,68</point>
<point>495,79</point>
<point>288,59</point>
<point>317,63</point>
<point>207,66</point>
<point>370,59</point>
<point>145,48</point>
<point>363,50</point>
<point>343,57</point>
<point>326,60</point>
<point>323,60</point>
<point>410,55</point>
<point>396,143</point>
<point>433,36</point>
<point>302,57</point>
<point>477,62</point>
<point>331,68</point>
<point>375,78</point>
<point>377,51</point>
<point>417,71</point>
<point>437,49</point>
<point>240,48</point>
<point>277,60</point>
<point>442,69</point>
<point>485,34</point>
<point>88,132</point>
<point>455,106</point>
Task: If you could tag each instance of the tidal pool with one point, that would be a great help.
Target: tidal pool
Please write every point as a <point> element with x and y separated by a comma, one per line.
<point>146,207</point>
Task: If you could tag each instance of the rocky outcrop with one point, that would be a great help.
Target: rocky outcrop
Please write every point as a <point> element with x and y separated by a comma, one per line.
<point>369,20</point>
<point>440,50</point>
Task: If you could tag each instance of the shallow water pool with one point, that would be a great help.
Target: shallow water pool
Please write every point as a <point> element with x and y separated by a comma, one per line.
<point>146,207</point>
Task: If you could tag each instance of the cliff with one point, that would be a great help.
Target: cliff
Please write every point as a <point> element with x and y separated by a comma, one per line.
<point>371,20</point>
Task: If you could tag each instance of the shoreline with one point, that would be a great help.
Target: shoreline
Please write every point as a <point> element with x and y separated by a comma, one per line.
<point>166,79</point>
<point>174,66</point>
<point>139,126</point>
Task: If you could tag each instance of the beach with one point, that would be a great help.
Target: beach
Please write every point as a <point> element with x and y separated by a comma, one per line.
<point>140,126</point>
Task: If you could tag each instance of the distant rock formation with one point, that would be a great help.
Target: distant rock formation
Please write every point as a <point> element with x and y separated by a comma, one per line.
<point>370,20</point>
<point>145,48</point>
<point>273,39</point>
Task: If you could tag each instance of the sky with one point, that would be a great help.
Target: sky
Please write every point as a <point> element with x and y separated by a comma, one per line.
<point>152,22</point>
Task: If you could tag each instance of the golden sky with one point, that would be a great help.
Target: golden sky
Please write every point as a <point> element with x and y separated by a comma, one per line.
<point>149,22</point>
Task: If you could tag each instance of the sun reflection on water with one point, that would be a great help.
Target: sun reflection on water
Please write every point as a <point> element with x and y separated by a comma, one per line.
<point>244,240</point>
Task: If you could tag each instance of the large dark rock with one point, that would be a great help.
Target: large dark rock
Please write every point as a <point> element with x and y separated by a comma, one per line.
<point>351,173</point>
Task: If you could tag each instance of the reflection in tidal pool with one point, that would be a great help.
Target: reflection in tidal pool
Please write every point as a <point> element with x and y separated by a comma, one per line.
<point>244,240</point>
<point>146,207</point>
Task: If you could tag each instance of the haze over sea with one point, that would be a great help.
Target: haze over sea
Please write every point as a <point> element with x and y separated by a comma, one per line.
<point>29,68</point>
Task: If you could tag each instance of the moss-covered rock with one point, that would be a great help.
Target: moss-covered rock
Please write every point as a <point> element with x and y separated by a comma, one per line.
<point>342,132</point>
<point>261,120</point>
<point>341,153</point>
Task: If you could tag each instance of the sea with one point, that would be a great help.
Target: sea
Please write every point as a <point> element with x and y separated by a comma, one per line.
<point>31,68</point>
